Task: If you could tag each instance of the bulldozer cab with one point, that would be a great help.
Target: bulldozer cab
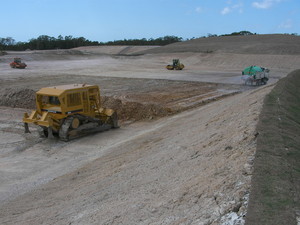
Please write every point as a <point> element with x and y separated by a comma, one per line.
<point>176,65</point>
<point>17,60</point>
<point>175,62</point>
<point>47,103</point>
<point>68,99</point>
<point>53,100</point>
<point>48,100</point>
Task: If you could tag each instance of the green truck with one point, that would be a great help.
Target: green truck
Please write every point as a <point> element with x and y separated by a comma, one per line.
<point>255,75</point>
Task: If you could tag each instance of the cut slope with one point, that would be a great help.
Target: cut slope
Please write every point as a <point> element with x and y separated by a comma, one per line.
<point>277,44</point>
<point>114,50</point>
<point>275,190</point>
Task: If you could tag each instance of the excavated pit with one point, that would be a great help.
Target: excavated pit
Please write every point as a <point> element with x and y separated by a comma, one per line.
<point>130,107</point>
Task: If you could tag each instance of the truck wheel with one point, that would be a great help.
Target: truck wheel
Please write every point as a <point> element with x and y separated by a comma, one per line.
<point>264,81</point>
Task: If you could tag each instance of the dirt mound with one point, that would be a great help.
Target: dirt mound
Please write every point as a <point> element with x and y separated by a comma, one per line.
<point>127,111</point>
<point>58,52</point>
<point>18,98</point>
<point>133,111</point>
<point>130,109</point>
<point>277,44</point>
<point>113,50</point>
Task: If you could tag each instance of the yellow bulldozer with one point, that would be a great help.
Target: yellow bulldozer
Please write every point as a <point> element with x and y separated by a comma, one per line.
<point>70,111</point>
<point>176,65</point>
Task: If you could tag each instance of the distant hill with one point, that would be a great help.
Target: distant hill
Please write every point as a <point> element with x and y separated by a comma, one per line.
<point>277,44</point>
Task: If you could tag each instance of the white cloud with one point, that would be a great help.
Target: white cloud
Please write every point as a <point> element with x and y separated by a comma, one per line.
<point>199,10</point>
<point>265,4</point>
<point>241,11</point>
<point>286,24</point>
<point>225,11</point>
<point>232,7</point>
<point>238,6</point>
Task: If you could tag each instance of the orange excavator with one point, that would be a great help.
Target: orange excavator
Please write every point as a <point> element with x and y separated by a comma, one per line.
<point>17,63</point>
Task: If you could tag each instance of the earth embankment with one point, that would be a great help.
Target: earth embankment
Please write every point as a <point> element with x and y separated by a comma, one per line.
<point>132,99</point>
<point>274,198</point>
<point>274,44</point>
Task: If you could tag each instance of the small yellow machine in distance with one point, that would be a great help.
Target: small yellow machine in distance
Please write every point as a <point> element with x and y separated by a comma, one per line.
<point>176,65</point>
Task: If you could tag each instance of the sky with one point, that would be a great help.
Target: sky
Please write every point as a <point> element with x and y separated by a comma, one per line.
<point>109,20</point>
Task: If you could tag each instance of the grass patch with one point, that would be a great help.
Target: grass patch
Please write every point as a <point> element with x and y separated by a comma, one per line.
<point>274,197</point>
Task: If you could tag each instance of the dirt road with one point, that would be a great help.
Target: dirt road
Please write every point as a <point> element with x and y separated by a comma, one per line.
<point>203,67</point>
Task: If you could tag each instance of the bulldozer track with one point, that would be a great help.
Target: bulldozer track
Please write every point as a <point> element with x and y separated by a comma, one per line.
<point>63,132</point>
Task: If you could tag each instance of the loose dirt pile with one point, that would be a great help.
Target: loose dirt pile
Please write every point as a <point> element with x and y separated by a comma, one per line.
<point>134,111</point>
<point>18,98</point>
<point>128,110</point>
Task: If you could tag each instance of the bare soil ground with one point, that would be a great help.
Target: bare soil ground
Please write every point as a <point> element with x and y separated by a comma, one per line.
<point>185,169</point>
<point>183,154</point>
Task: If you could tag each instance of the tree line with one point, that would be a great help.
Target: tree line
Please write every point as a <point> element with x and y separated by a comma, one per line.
<point>45,42</point>
<point>158,41</point>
